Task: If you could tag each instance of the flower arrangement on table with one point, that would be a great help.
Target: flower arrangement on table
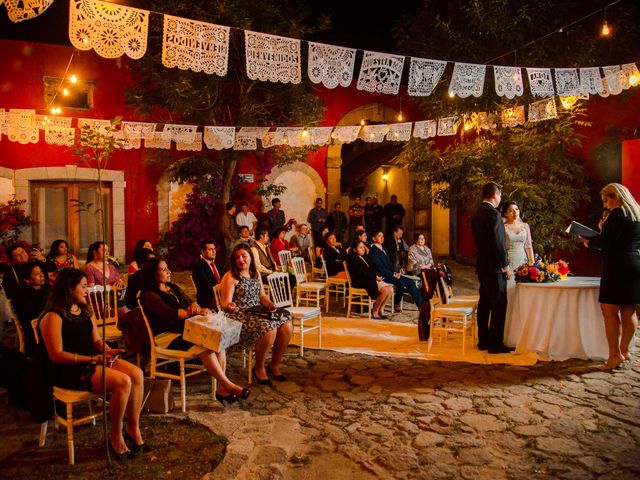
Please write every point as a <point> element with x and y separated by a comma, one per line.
<point>541,270</point>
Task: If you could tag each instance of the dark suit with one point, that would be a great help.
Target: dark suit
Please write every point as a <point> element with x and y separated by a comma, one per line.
<point>488,234</point>
<point>205,280</point>
<point>382,263</point>
<point>334,258</point>
<point>398,252</point>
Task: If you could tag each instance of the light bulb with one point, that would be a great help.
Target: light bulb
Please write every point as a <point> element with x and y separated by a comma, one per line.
<point>633,80</point>
<point>606,30</point>
<point>451,94</point>
<point>65,92</point>
<point>73,78</point>
<point>362,122</point>
<point>304,133</point>
<point>400,117</point>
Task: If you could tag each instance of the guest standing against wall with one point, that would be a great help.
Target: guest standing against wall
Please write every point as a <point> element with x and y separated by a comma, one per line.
<point>337,223</point>
<point>229,229</point>
<point>317,218</point>
<point>393,214</point>
<point>356,218</point>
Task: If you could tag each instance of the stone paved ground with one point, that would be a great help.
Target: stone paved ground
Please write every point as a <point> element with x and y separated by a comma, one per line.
<point>356,416</point>
<point>361,417</point>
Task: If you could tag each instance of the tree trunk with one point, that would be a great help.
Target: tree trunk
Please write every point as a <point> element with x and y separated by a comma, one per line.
<point>228,178</point>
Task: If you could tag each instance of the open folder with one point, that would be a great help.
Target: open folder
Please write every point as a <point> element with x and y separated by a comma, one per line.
<point>578,230</point>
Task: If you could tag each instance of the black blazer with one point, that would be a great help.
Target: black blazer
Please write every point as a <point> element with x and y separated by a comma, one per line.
<point>205,280</point>
<point>362,273</point>
<point>334,259</point>
<point>488,234</point>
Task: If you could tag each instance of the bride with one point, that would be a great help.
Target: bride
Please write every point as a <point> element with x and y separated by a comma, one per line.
<point>519,249</point>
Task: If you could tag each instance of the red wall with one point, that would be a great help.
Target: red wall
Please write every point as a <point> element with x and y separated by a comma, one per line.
<point>631,166</point>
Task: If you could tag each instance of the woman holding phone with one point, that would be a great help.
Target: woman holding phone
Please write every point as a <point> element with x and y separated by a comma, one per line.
<point>75,350</point>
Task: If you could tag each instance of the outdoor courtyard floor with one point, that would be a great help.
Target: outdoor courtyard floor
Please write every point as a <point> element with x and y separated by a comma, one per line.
<point>358,417</point>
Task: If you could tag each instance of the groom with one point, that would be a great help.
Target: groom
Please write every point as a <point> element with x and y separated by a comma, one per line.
<point>492,269</point>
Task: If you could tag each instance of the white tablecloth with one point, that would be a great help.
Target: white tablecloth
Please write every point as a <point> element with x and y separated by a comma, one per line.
<point>557,320</point>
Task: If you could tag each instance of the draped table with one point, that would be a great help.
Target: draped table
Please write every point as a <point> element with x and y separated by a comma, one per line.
<point>557,320</point>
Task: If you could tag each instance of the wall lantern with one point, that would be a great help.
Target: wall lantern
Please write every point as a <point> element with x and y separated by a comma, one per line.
<point>385,172</point>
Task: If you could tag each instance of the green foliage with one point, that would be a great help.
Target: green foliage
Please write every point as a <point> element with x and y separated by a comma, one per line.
<point>534,164</point>
<point>169,94</point>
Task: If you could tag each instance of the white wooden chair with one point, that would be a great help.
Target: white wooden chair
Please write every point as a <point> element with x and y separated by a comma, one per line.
<point>316,272</point>
<point>306,291</point>
<point>284,256</point>
<point>160,355</point>
<point>19,330</point>
<point>451,318</point>
<point>449,297</point>
<point>70,398</point>
<point>357,296</point>
<point>105,308</point>
<point>281,297</point>
<point>217,294</point>
<point>335,285</point>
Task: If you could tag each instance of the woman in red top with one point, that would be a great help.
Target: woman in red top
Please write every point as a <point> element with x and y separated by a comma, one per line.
<point>61,256</point>
<point>279,243</point>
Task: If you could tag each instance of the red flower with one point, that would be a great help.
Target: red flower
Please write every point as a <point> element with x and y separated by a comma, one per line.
<point>533,273</point>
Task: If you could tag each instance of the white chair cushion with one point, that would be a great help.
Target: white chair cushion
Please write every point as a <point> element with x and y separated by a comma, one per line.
<point>453,309</point>
<point>304,312</point>
<point>317,286</point>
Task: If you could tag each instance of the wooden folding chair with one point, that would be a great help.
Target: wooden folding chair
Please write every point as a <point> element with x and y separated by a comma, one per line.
<point>70,398</point>
<point>281,296</point>
<point>316,272</point>
<point>335,285</point>
<point>103,302</point>
<point>357,296</point>
<point>306,291</point>
<point>160,355</point>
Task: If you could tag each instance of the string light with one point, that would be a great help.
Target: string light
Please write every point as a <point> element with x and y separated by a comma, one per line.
<point>451,94</point>
<point>362,122</point>
<point>400,117</point>
<point>633,80</point>
<point>55,110</point>
<point>568,102</point>
<point>65,92</point>
<point>605,30</point>
<point>73,78</point>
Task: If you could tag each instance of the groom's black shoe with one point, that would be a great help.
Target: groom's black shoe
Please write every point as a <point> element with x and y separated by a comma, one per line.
<point>501,349</point>
<point>482,346</point>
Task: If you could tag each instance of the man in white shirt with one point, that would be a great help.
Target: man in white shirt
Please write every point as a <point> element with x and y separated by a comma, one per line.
<point>246,218</point>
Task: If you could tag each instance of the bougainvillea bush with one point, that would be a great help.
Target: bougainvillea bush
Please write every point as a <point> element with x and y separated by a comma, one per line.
<point>13,219</point>
<point>200,220</point>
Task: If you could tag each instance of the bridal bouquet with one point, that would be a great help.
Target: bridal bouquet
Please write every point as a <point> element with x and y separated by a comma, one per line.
<point>541,270</point>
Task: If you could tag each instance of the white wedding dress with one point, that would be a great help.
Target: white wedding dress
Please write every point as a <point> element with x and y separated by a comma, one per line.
<point>517,239</point>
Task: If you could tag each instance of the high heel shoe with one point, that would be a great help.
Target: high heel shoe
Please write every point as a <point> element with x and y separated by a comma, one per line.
<point>136,449</point>
<point>121,457</point>
<point>266,381</point>
<point>280,378</point>
<point>244,394</point>
<point>231,398</point>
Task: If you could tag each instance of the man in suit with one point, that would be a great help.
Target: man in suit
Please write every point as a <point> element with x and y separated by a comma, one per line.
<point>384,266</point>
<point>398,249</point>
<point>206,275</point>
<point>492,268</point>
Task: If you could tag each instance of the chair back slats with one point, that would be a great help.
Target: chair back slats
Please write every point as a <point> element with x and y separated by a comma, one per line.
<point>346,270</point>
<point>18,325</point>
<point>152,340</point>
<point>217,295</point>
<point>312,254</point>
<point>103,303</point>
<point>285,257</point>
<point>299,269</point>
<point>34,326</point>
<point>279,289</point>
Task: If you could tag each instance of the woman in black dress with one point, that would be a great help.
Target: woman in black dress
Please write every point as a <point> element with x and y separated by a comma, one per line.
<point>619,243</point>
<point>363,275</point>
<point>74,346</point>
<point>334,256</point>
<point>167,307</point>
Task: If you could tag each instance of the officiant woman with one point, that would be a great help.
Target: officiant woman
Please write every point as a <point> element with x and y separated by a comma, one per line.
<point>619,244</point>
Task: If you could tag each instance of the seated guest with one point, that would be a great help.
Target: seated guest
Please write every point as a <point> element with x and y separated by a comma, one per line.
<point>265,264</point>
<point>17,256</point>
<point>420,256</point>
<point>206,274</point>
<point>74,348</point>
<point>167,307</point>
<point>397,249</point>
<point>301,240</point>
<point>134,283</point>
<point>334,256</point>
<point>30,301</point>
<point>264,326</point>
<point>245,236</point>
<point>99,252</point>
<point>363,275</point>
<point>61,256</point>
<point>384,266</point>
<point>361,236</point>
<point>140,244</point>
<point>50,272</point>
<point>319,248</point>
<point>278,244</point>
